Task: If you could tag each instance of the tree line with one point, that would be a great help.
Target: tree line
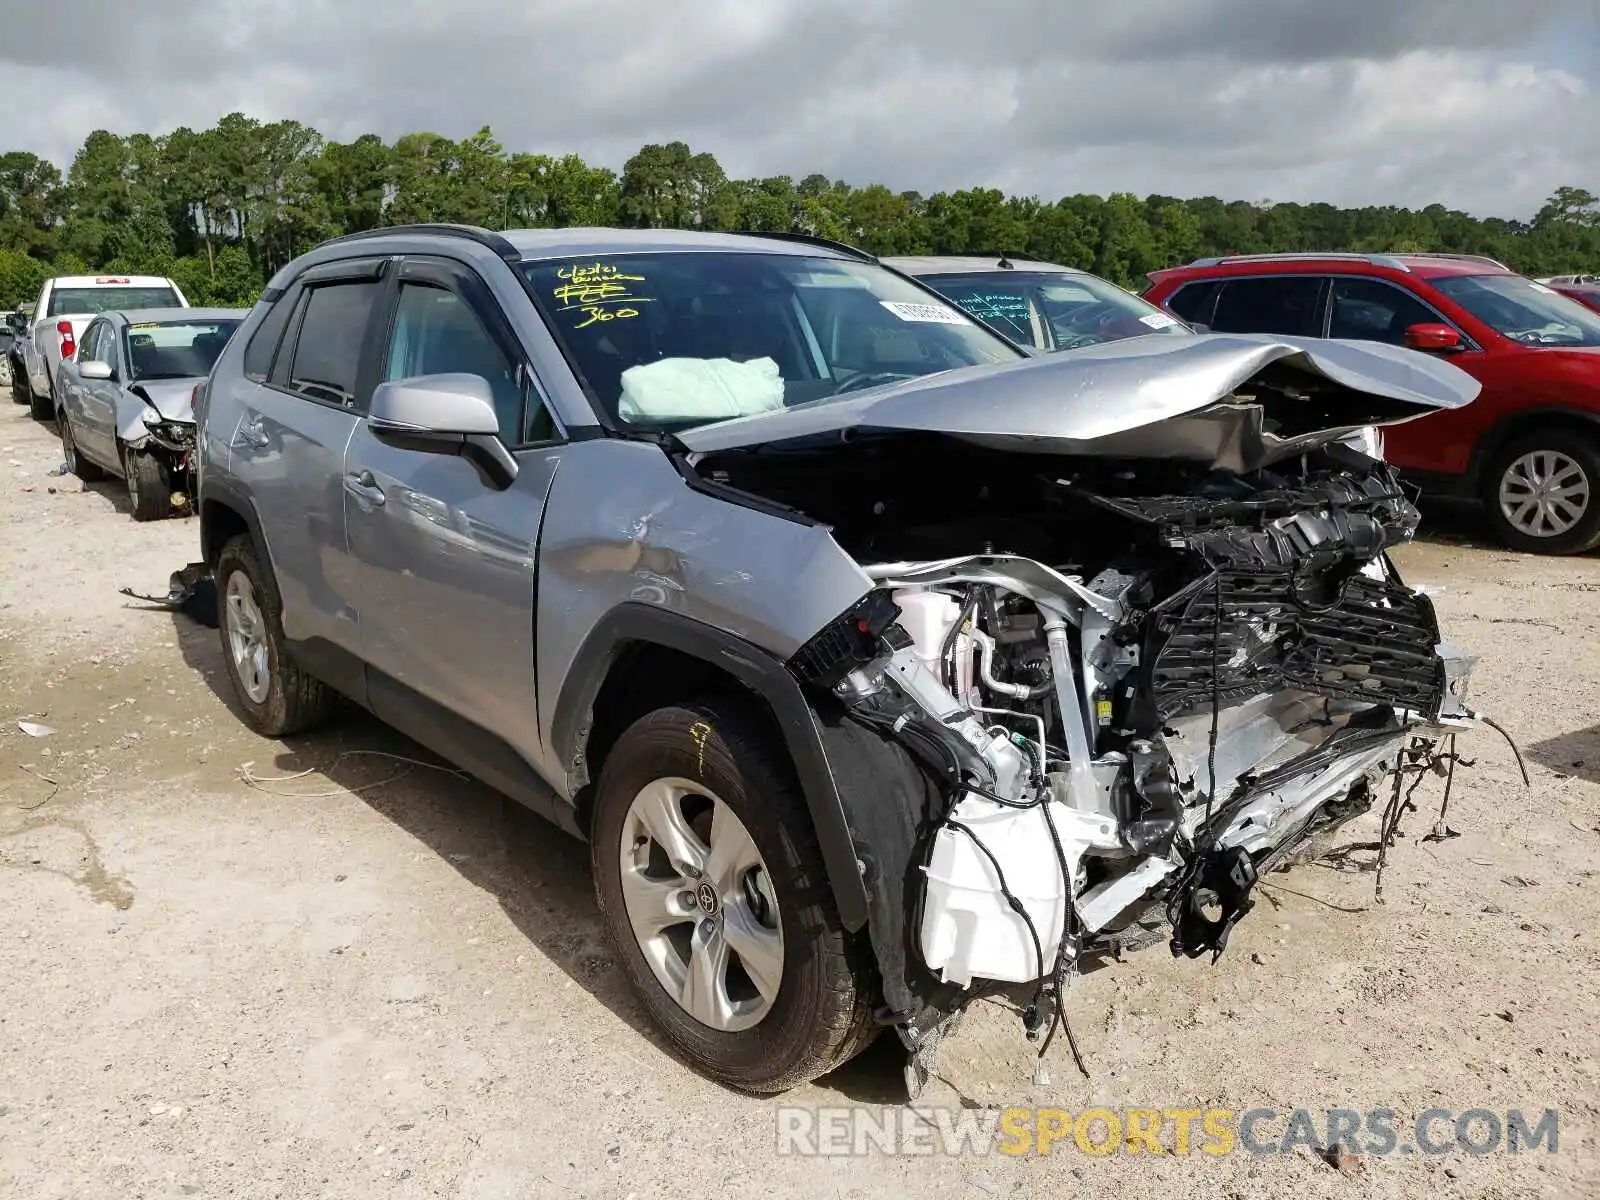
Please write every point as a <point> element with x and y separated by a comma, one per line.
<point>221,209</point>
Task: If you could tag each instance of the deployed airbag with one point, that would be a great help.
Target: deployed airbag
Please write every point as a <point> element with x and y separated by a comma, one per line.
<point>700,389</point>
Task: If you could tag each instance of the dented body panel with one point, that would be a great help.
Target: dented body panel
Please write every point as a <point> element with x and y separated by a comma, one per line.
<point>1234,401</point>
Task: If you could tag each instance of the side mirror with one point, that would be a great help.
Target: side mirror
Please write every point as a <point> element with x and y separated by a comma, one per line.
<point>1431,336</point>
<point>95,369</point>
<point>444,414</point>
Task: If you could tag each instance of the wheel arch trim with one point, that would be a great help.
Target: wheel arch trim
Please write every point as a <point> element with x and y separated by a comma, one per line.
<point>766,675</point>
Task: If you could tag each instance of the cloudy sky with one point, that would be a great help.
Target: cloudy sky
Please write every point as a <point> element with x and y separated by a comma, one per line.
<point>1484,105</point>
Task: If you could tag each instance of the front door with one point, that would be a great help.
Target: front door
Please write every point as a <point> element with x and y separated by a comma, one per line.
<point>445,561</point>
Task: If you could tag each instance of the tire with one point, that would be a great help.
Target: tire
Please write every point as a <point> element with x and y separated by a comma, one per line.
<point>77,464</point>
<point>19,384</point>
<point>149,489</point>
<point>1572,457</point>
<point>819,1014</point>
<point>42,408</point>
<point>287,700</point>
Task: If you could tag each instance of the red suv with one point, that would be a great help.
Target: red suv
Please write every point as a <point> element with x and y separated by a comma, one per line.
<point>1529,447</point>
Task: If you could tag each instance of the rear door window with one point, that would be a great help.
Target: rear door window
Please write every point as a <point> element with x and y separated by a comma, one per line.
<point>1374,311</point>
<point>1286,304</point>
<point>326,359</point>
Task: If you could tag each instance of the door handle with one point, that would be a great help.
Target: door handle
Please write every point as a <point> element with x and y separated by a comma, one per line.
<point>364,488</point>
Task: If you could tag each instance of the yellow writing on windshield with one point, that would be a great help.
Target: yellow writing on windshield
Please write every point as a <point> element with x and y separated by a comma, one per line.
<point>601,291</point>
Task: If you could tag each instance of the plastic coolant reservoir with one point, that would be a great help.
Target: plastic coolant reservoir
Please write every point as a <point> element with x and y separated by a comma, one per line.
<point>968,929</point>
<point>927,617</point>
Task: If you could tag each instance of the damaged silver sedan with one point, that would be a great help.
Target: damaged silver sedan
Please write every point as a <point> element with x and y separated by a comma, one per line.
<point>125,400</point>
<point>929,672</point>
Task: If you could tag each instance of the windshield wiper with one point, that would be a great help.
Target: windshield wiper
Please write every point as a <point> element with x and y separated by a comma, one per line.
<point>164,375</point>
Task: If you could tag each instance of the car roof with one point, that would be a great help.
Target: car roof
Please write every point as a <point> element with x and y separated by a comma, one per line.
<point>962,264</point>
<point>111,280</point>
<point>1420,265</point>
<point>177,316</point>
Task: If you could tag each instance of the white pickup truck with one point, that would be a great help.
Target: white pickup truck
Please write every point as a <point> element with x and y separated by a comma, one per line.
<point>65,307</point>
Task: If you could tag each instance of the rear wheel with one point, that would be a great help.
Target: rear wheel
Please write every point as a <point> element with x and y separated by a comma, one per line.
<point>277,697</point>
<point>149,490</point>
<point>42,408</point>
<point>711,882</point>
<point>77,464</point>
<point>1542,491</point>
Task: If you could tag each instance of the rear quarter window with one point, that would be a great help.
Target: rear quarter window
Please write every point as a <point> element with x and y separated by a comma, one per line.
<point>1192,300</point>
<point>263,346</point>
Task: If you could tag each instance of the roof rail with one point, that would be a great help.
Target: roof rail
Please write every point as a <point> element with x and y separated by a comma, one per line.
<point>474,233</point>
<point>808,239</point>
<point>1377,260</point>
<point>1449,254</point>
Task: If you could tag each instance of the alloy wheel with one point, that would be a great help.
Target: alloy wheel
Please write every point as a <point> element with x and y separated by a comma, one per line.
<point>247,637</point>
<point>1544,493</point>
<point>700,903</point>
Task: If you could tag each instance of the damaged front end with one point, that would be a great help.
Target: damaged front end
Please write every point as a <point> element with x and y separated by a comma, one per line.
<point>1140,663</point>
<point>157,418</point>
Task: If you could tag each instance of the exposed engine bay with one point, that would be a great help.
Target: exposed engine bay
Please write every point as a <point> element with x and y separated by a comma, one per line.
<point>1140,683</point>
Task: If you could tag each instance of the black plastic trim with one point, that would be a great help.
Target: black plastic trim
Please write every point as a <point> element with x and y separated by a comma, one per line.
<point>227,497</point>
<point>485,755</point>
<point>763,674</point>
<point>335,666</point>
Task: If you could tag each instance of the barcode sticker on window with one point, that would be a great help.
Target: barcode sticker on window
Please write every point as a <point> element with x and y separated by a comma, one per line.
<point>937,314</point>
<point>1157,320</point>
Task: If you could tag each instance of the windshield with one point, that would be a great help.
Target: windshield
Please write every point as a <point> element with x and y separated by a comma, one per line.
<point>681,338</point>
<point>1054,310</point>
<point>67,302</point>
<point>1523,310</point>
<point>180,350</point>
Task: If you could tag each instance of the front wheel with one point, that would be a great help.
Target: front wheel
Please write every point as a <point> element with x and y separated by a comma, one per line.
<point>1542,492</point>
<point>711,883</point>
<point>149,491</point>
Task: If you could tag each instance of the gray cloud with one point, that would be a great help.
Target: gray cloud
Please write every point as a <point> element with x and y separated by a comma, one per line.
<point>1360,101</point>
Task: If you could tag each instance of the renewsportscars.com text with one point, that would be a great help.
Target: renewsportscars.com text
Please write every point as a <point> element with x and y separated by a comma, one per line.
<point>846,1131</point>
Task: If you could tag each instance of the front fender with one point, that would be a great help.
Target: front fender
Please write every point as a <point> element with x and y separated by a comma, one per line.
<point>131,413</point>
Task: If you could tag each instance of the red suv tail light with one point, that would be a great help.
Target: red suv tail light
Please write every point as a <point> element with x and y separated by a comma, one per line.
<point>68,346</point>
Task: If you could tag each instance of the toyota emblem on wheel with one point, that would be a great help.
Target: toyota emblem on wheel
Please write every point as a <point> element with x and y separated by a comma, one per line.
<point>707,896</point>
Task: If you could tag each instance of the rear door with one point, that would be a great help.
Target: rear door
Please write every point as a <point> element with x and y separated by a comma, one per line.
<point>288,452</point>
<point>445,562</point>
<point>92,403</point>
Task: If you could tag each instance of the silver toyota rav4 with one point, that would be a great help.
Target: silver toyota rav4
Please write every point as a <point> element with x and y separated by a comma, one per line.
<point>883,666</point>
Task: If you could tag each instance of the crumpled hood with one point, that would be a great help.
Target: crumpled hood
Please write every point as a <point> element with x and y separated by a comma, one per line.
<point>174,397</point>
<point>1237,401</point>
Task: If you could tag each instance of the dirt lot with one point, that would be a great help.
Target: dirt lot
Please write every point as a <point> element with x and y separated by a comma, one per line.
<point>344,986</point>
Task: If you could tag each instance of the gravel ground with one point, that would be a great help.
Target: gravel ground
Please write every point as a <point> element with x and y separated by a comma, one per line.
<point>348,984</point>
